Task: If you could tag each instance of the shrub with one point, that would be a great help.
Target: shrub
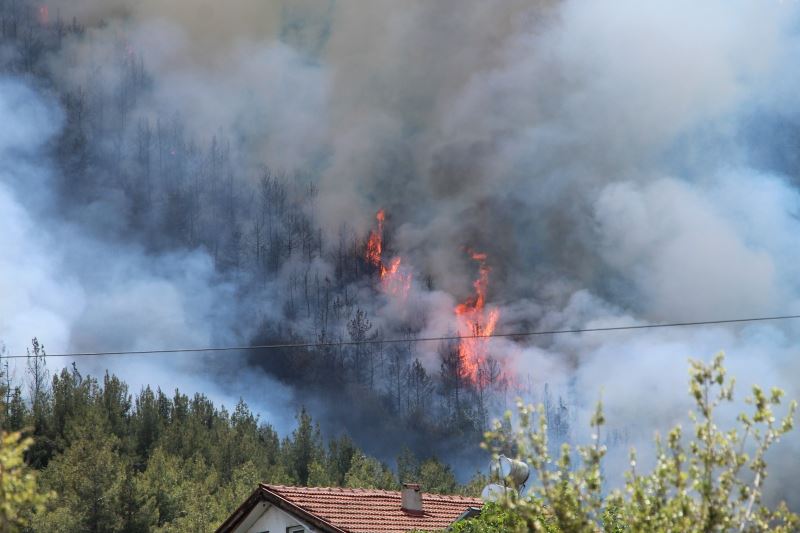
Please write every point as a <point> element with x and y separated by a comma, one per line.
<point>704,480</point>
<point>19,495</point>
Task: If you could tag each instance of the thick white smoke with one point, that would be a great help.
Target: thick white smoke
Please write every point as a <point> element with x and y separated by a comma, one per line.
<point>78,292</point>
<point>620,163</point>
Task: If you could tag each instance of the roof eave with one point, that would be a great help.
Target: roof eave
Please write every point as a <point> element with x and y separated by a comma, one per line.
<point>471,512</point>
<point>241,512</point>
<point>282,503</point>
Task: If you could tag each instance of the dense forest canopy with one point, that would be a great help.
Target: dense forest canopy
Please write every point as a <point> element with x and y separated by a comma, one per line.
<point>327,172</point>
<point>156,461</point>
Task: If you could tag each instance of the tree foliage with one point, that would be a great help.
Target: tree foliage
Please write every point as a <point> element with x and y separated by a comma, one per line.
<point>707,479</point>
<point>20,497</point>
<point>494,518</point>
<point>116,461</point>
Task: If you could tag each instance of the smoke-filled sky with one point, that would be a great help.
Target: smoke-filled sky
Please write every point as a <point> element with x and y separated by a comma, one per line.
<point>620,163</point>
<point>75,291</point>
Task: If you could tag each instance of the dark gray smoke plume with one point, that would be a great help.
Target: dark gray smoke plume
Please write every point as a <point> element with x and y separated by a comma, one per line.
<point>622,163</point>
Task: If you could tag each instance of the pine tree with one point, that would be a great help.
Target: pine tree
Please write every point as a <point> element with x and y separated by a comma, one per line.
<point>368,473</point>
<point>304,447</point>
<point>437,477</point>
<point>88,477</point>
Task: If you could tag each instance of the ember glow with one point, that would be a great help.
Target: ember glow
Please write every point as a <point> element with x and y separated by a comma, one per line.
<point>395,279</point>
<point>474,321</point>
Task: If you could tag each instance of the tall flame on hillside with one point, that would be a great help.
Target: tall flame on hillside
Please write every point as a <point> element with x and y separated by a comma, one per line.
<point>394,279</point>
<point>476,321</point>
<point>375,242</point>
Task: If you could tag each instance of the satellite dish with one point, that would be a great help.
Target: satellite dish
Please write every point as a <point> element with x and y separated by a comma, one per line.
<point>493,492</point>
<point>494,470</point>
<point>501,472</point>
<point>517,471</point>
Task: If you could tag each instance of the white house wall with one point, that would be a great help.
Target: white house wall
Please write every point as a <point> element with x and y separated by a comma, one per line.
<point>266,517</point>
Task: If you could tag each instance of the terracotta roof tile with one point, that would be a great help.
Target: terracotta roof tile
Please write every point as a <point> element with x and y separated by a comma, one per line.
<point>374,511</point>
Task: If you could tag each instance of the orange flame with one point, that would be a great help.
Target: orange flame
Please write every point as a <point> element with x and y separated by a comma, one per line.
<point>375,242</point>
<point>475,321</point>
<point>394,280</point>
<point>44,15</point>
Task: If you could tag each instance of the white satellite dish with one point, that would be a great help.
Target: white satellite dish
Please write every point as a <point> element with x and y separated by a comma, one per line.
<point>493,492</point>
<point>516,471</point>
<point>501,472</point>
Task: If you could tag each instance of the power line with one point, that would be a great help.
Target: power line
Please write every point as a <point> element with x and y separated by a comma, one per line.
<point>410,340</point>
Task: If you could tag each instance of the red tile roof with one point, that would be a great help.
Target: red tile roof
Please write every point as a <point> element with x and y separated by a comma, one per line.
<point>366,510</point>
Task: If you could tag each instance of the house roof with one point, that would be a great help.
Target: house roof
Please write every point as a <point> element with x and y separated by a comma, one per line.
<point>340,510</point>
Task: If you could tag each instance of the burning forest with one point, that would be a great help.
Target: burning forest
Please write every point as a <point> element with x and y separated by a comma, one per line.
<point>389,205</point>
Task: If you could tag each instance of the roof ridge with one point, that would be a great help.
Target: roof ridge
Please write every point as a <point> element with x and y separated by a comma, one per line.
<point>338,489</point>
<point>367,491</point>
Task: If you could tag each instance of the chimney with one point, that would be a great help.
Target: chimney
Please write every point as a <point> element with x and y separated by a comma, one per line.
<point>412,498</point>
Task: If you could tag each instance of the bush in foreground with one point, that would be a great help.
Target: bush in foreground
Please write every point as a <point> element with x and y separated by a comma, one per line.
<point>706,480</point>
<point>19,495</point>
